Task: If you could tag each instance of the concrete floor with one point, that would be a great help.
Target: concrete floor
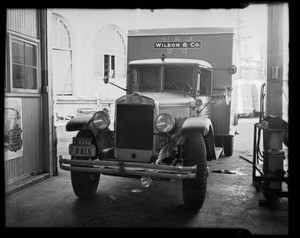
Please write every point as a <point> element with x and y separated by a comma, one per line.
<point>231,199</point>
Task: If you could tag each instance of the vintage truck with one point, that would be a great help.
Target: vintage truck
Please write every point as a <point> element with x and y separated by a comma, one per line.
<point>175,116</point>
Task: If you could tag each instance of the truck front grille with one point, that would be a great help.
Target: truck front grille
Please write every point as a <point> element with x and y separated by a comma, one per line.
<point>134,128</point>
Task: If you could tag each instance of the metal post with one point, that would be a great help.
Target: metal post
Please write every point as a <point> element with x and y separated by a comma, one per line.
<point>254,155</point>
<point>275,60</point>
<point>46,97</point>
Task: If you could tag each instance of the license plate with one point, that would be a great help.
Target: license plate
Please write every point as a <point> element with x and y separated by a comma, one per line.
<point>82,147</point>
<point>82,141</point>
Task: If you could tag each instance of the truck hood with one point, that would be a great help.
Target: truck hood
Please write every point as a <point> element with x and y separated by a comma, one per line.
<point>176,104</point>
<point>169,99</point>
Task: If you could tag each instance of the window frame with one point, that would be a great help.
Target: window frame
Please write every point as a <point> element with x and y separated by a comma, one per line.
<point>69,49</point>
<point>210,82</point>
<point>111,69</point>
<point>71,94</point>
<point>9,81</point>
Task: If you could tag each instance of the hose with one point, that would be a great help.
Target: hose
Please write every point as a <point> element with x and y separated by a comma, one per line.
<point>259,155</point>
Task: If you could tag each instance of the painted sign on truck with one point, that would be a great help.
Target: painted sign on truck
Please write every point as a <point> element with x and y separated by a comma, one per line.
<point>182,44</point>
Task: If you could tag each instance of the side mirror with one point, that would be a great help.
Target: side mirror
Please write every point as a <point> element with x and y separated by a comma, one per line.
<point>232,69</point>
<point>106,80</point>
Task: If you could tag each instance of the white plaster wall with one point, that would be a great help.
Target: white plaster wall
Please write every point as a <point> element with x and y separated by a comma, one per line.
<point>84,23</point>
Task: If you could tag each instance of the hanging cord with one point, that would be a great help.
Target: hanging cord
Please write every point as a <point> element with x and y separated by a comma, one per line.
<point>262,97</point>
<point>261,116</point>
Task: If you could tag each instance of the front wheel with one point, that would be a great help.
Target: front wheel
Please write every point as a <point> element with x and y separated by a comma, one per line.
<point>85,184</point>
<point>194,190</point>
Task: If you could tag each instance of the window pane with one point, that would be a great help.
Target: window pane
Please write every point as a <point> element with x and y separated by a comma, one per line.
<point>113,62</point>
<point>62,72</point>
<point>64,36</point>
<point>178,79</point>
<point>30,54</point>
<point>60,34</point>
<point>30,77</point>
<point>113,72</point>
<point>24,64</point>
<point>148,78</point>
<point>205,83</point>
<point>106,65</point>
<point>17,51</point>
<point>18,76</point>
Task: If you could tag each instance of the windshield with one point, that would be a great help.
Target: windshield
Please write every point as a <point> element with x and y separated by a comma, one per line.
<point>146,78</point>
<point>179,79</point>
<point>176,78</point>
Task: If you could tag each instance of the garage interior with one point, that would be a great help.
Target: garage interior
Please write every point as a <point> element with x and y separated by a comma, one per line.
<point>232,203</point>
<point>247,193</point>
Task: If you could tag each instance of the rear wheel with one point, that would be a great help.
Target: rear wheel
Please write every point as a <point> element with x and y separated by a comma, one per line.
<point>85,184</point>
<point>194,190</point>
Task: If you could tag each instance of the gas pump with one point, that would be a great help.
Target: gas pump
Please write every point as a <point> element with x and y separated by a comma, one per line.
<point>269,173</point>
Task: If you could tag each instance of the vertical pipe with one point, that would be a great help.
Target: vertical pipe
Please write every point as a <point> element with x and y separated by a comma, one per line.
<point>254,154</point>
<point>47,108</point>
<point>275,60</point>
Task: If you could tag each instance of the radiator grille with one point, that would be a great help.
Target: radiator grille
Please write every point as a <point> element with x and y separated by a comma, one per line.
<point>134,128</point>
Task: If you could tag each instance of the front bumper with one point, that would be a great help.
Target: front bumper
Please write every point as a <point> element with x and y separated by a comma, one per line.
<point>119,168</point>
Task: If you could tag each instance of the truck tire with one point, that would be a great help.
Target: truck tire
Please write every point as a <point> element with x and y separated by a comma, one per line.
<point>228,145</point>
<point>194,190</point>
<point>85,184</point>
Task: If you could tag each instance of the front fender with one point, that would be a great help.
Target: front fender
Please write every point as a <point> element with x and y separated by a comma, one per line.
<point>195,126</point>
<point>78,123</point>
<point>198,125</point>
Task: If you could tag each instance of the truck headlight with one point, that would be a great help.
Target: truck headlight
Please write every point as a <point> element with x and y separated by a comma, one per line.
<point>101,120</point>
<point>165,123</point>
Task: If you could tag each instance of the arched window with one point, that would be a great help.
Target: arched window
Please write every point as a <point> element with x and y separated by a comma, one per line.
<point>61,57</point>
<point>109,53</point>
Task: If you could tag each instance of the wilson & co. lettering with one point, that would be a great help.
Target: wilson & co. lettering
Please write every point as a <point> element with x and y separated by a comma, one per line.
<point>177,44</point>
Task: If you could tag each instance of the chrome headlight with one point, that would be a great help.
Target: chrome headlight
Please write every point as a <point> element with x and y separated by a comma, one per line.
<point>101,120</point>
<point>165,123</point>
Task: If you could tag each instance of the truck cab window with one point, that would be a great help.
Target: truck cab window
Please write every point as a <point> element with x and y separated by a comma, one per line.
<point>179,79</point>
<point>148,78</point>
<point>205,82</point>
